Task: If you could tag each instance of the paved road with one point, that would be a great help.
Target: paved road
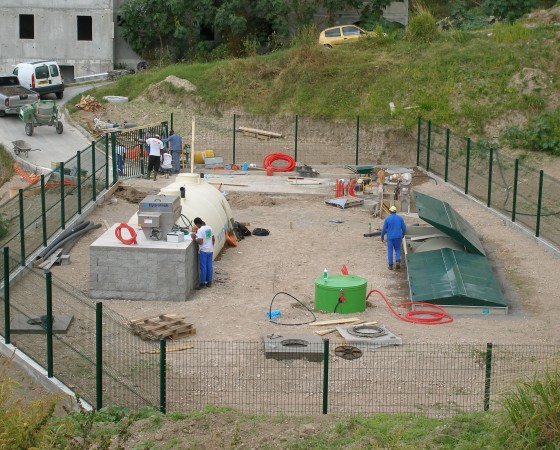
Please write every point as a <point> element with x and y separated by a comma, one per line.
<point>54,147</point>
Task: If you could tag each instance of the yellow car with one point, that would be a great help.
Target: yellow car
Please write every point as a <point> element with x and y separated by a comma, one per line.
<point>342,34</point>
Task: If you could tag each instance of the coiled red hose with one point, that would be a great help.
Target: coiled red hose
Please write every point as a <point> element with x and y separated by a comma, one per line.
<point>439,317</point>
<point>269,159</point>
<point>118,233</point>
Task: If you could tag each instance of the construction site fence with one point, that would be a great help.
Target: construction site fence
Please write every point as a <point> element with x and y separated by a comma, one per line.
<point>242,137</point>
<point>33,217</point>
<point>523,194</point>
<point>107,362</point>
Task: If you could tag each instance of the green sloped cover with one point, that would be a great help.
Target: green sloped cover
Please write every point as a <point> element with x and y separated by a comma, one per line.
<point>442,216</point>
<point>451,277</point>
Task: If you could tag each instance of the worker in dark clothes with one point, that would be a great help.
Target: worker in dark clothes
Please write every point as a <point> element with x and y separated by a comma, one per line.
<point>395,228</point>
<point>175,147</point>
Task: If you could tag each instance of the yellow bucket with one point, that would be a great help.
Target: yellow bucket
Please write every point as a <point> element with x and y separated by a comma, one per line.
<point>199,156</point>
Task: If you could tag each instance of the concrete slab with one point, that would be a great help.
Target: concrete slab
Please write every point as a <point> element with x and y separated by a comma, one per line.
<point>383,337</point>
<point>293,347</point>
<point>20,324</point>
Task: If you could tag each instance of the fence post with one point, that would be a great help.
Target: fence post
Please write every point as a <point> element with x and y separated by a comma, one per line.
<point>79,174</point>
<point>21,229</point>
<point>515,175</point>
<point>43,211</point>
<point>539,204</point>
<point>325,376</point>
<point>429,145</point>
<point>171,121</point>
<point>233,144</point>
<point>488,377</point>
<point>62,207</point>
<point>93,186</point>
<point>490,169</point>
<point>48,276</point>
<point>162,376</point>
<point>295,139</point>
<point>468,165</point>
<point>106,161</point>
<point>7,295</point>
<point>98,356</point>
<point>418,141</point>
<point>141,151</point>
<point>357,137</point>
<point>114,157</point>
<point>447,140</point>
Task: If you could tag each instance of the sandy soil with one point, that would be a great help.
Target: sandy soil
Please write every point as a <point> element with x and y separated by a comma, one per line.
<point>304,240</point>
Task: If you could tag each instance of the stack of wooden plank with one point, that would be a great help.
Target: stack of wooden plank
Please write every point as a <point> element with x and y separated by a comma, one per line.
<point>164,326</point>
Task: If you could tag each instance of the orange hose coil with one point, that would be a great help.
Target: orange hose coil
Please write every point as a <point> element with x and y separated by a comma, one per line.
<point>269,159</point>
<point>439,317</point>
<point>118,233</point>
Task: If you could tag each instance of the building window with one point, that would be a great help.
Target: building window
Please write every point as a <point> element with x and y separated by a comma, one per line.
<point>85,28</point>
<point>26,26</point>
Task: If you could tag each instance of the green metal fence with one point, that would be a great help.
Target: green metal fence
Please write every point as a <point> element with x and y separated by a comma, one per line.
<point>520,192</point>
<point>106,363</point>
<point>44,208</point>
<point>237,139</point>
<point>98,355</point>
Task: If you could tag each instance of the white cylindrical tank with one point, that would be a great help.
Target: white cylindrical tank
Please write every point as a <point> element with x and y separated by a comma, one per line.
<point>205,201</point>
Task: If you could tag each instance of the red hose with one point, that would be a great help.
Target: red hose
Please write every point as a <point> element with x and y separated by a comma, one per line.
<point>269,159</point>
<point>439,317</point>
<point>118,233</point>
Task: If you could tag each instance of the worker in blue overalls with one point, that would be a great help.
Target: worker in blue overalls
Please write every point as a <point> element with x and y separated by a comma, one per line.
<point>395,228</point>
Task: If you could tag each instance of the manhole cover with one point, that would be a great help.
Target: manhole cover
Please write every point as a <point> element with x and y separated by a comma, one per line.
<point>348,352</point>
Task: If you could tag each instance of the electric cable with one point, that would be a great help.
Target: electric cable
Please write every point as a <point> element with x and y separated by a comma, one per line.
<point>118,233</point>
<point>290,324</point>
<point>269,159</point>
<point>439,317</point>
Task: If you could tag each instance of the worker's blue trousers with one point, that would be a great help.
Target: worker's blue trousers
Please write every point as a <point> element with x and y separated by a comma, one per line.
<point>205,259</point>
<point>393,244</point>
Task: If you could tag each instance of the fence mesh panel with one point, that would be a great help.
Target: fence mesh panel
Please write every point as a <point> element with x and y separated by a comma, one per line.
<point>432,155</point>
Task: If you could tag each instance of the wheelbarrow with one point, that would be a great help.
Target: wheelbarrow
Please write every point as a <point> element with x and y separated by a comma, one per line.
<point>23,147</point>
<point>39,113</point>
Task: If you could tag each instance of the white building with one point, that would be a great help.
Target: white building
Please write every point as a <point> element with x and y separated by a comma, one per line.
<point>82,35</point>
<point>79,34</point>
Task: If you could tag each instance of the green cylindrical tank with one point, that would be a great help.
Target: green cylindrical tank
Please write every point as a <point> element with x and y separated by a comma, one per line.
<point>327,293</point>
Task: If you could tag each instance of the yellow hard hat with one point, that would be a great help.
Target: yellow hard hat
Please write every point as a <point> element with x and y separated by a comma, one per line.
<point>393,209</point>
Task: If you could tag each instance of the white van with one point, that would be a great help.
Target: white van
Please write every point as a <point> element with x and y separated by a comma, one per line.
<point>43,77</point>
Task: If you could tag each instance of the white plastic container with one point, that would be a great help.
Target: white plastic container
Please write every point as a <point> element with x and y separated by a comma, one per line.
<point>205,201</point>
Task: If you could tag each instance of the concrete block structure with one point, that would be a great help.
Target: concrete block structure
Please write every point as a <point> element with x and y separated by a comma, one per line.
<point>149,270</point>
<point>81,35</point>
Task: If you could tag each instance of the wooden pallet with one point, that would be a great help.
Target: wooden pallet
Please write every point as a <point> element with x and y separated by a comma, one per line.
<point>164,326</point>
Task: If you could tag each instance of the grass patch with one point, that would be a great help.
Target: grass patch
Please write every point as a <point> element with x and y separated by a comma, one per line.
<point>532,413</point>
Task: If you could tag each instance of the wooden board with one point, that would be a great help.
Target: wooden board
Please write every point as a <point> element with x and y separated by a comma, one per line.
<point>164,326</point>
<point>334,322</point>
<point>261,134</point>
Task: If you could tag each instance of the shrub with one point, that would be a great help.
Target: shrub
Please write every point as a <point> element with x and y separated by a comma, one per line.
<point>541,134</point>
<point>422,27</point>
<point>508,9</point>
<point>532,413</point>
<point>23,426</point>
<point>306,37</point>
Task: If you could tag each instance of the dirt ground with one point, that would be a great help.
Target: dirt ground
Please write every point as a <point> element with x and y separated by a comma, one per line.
<point>307,236</point>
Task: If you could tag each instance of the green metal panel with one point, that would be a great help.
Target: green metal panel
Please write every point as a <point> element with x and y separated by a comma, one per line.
<point>442,216</point>
<point>451,277</point>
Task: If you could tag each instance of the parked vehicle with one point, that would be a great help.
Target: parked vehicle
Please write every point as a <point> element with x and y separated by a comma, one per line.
<point>13,96</point>
<point>342,34</point>
<point>44,77</point>
<point>41,112</point>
